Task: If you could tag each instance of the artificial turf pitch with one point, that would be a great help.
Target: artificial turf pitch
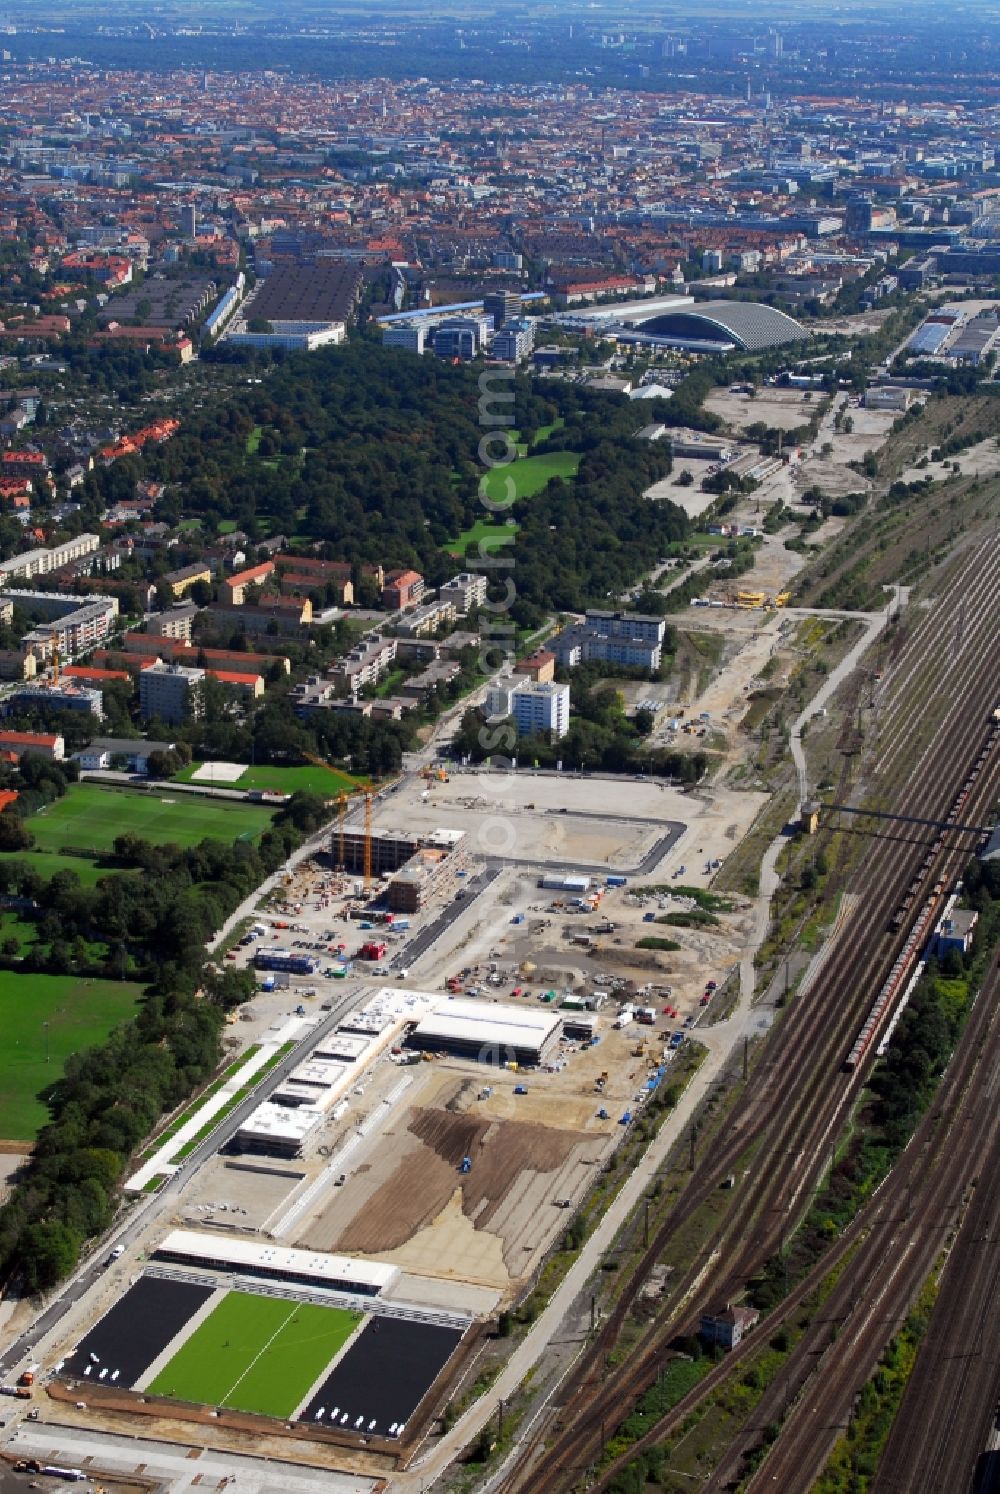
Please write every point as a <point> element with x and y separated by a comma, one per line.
<point>258,1354</point>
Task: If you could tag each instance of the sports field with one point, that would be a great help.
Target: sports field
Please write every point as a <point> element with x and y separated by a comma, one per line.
<point>45,1018</point>
<point>90,816</point>
<point>309,778</point>
<point>256,1354</point>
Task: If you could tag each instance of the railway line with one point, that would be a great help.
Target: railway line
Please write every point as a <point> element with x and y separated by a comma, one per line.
<point>903,1230</point>
<point>802,1092</point>
<point>848,1241</point>
<point>949,1408</point>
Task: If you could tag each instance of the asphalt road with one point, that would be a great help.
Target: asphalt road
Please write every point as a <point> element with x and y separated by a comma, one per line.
<point>421,943</point>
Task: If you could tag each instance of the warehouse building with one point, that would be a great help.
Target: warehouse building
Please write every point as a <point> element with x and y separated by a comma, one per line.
<point>491,1034</point>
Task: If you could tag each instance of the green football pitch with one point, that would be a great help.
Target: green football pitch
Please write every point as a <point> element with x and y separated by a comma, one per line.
<point>89,817</point>
<point>258,1354</point>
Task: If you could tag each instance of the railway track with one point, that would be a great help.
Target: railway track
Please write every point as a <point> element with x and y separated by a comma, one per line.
<point>901,1179</point>
<point>950,1403</point>
<point>905,1227</point>
<point>802,1093</point>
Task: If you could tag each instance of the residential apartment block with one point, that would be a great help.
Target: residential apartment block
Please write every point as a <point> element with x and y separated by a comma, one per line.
<point>628,638</point>
<point>170,692</point>
<point>402,589</point>
<point>73,625</point>
<point>42,695</point>
<point>365,665</point>
<point>537,706</point>
<point>33,563</point>
<point>466,590</point>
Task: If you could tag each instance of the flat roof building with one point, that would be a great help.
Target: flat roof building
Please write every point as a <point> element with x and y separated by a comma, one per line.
<point>311,1268</point>
<point>492,1034</point>
<point>170,692</point>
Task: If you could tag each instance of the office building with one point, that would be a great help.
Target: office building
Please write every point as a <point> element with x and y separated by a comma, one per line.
<point>515,342</point>
<point>503,306</point>
<point>411,336</point>
<point>461,337</point>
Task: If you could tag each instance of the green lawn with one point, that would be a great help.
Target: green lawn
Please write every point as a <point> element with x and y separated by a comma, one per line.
<point>47,863</point>
<point>256,1354</point>
<point>530,474</point>
<point>545,431</point>
<point>13,927</point>
<point>486,537</point>
<point>253,440</point>
<point>91,816</point>
<point>79,1013</point>
<point>310,778</point>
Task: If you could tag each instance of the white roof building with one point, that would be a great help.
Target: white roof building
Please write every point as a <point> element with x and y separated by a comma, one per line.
<point>306,1267</point>
<point>489,1031</point>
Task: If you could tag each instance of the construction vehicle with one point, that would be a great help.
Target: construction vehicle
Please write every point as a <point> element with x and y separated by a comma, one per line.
<point>466,1165</point>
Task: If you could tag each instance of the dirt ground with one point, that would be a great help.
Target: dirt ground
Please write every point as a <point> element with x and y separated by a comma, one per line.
<point>406,1201</point>
<point>236,1431</point>
<point>981,460</point>
<point>782,408</point>
<point>10,1162</point>
<point>689,497</point>
<point>528,804</point>
<point>503,1154</point>
<point>534,822</point>
<point>860,324</point>
<point>237,1197</point>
